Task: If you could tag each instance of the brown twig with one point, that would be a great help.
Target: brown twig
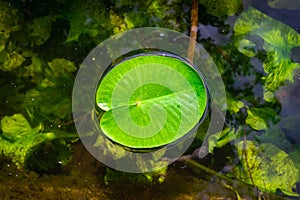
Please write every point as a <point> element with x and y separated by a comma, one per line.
<point>193,31</point>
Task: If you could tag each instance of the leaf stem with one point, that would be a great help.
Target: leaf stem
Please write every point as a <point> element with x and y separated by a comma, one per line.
<point>190,162</point>
<point>193,31</point>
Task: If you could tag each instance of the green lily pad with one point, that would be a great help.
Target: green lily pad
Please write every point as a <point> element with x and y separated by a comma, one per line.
<point>150,100</point>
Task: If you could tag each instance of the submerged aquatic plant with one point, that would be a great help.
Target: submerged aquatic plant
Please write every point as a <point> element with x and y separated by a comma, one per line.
<point>19,141</point>
<point>34,84</point>
<point>267,167</point>
<point>255,31</point>
<point>221,8</point>
<point>263,147</point>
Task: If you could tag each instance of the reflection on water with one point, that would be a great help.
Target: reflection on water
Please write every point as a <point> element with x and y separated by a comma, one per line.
<point>288,14</point>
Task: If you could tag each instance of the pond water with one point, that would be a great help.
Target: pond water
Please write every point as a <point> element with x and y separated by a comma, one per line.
<point>254,44</point>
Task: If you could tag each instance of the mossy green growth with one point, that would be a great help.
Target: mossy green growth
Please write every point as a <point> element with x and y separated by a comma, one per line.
<point>16,126</point>
<point>20,142</point>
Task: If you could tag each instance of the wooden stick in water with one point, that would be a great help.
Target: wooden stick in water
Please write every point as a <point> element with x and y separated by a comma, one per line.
<point>193,31</point>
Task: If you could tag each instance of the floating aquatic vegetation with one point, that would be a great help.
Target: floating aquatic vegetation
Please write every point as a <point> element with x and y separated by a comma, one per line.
<point>266,167</point>
<point>138,86</point>
<point>255,31</point>
<point>261,118</point>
